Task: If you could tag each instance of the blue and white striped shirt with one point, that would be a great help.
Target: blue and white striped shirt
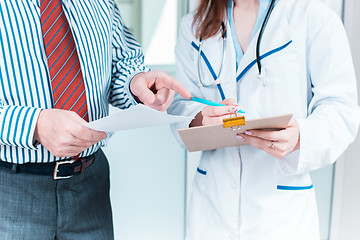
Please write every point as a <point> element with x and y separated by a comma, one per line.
<point>109,57</point>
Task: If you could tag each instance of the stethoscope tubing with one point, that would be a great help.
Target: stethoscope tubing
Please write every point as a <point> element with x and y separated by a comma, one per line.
<point>268,14</point>
<point>224,37</point>
<point>217,80</point>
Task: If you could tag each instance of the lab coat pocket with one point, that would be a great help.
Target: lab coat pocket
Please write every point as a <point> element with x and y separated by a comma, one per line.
<point>200,174</point>
<point>296,206</point>
<point>200,177</point>
<point>203,172</point>
<point>197,208</point>
<point>293,182</point>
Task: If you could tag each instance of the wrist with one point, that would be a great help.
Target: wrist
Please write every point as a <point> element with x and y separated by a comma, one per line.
<point>131,84</point>
<point>36,138</point>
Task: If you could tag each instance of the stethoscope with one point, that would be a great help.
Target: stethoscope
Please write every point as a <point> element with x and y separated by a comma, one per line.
<point>217,81</point>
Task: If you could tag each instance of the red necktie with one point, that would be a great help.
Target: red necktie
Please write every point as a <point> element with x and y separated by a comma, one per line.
<point>63,61</point>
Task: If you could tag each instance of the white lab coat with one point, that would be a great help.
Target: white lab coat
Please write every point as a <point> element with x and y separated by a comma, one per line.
<point>311,76</point>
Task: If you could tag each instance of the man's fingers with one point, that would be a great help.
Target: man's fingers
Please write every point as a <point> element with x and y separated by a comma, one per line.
<point>163,96</point>
<point>141,86</point>
<point>70,151</point>
<point>146,85</point>
<point>66,136</point>
<point>163,99</point>
<point>145,95</point>
<point>85,134</point>
<point>82,143</point>
<point>166,81</point>
<point>81,135</point>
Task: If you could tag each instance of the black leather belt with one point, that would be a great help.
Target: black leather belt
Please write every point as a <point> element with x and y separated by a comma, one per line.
<point>59,170</point>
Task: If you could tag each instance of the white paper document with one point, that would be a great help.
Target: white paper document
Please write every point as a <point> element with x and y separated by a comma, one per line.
<point>139,116</point>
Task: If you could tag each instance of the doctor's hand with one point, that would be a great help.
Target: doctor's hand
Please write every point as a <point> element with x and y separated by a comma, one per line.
<point>63,134</point>
<point>211,115</point>
<point>156,89</point>
<point>276,143</point>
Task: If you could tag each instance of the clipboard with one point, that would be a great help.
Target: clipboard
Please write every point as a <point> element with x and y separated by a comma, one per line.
<point>224,135</point>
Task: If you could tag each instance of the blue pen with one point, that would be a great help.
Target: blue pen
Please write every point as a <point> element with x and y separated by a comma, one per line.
<point>210,103</point>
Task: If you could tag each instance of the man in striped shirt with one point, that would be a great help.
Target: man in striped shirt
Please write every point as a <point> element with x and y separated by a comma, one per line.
<point>61,63</point>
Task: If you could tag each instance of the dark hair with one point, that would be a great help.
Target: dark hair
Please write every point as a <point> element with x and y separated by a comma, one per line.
<point>208,17</point>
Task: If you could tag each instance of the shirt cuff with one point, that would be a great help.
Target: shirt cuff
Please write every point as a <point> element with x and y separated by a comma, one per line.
<point>18,125</point>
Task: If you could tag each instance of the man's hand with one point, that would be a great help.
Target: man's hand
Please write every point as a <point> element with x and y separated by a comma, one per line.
<point>156,89</point>
<point>63,134</point>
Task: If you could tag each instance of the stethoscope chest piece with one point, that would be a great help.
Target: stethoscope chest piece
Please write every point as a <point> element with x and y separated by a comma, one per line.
<point>262,76</point>
<point>262,72</point>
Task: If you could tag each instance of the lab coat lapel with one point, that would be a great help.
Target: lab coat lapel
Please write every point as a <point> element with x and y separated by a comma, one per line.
<point>275,36</point>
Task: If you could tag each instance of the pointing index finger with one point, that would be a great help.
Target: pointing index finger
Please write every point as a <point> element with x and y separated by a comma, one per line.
<point>171,83</point>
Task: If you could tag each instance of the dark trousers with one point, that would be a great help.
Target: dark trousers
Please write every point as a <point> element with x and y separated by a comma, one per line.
<point>38,207</point>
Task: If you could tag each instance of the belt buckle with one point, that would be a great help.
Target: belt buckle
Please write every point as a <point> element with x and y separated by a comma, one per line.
<point>56,169</point>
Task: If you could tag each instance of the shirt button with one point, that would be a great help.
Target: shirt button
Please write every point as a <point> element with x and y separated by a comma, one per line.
<point>235,186</point>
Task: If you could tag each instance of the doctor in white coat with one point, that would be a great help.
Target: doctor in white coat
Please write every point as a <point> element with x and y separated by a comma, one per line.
<point>263,190</point>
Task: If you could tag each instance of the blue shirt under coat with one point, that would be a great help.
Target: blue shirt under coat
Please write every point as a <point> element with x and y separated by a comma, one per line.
<point>263,8</point>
